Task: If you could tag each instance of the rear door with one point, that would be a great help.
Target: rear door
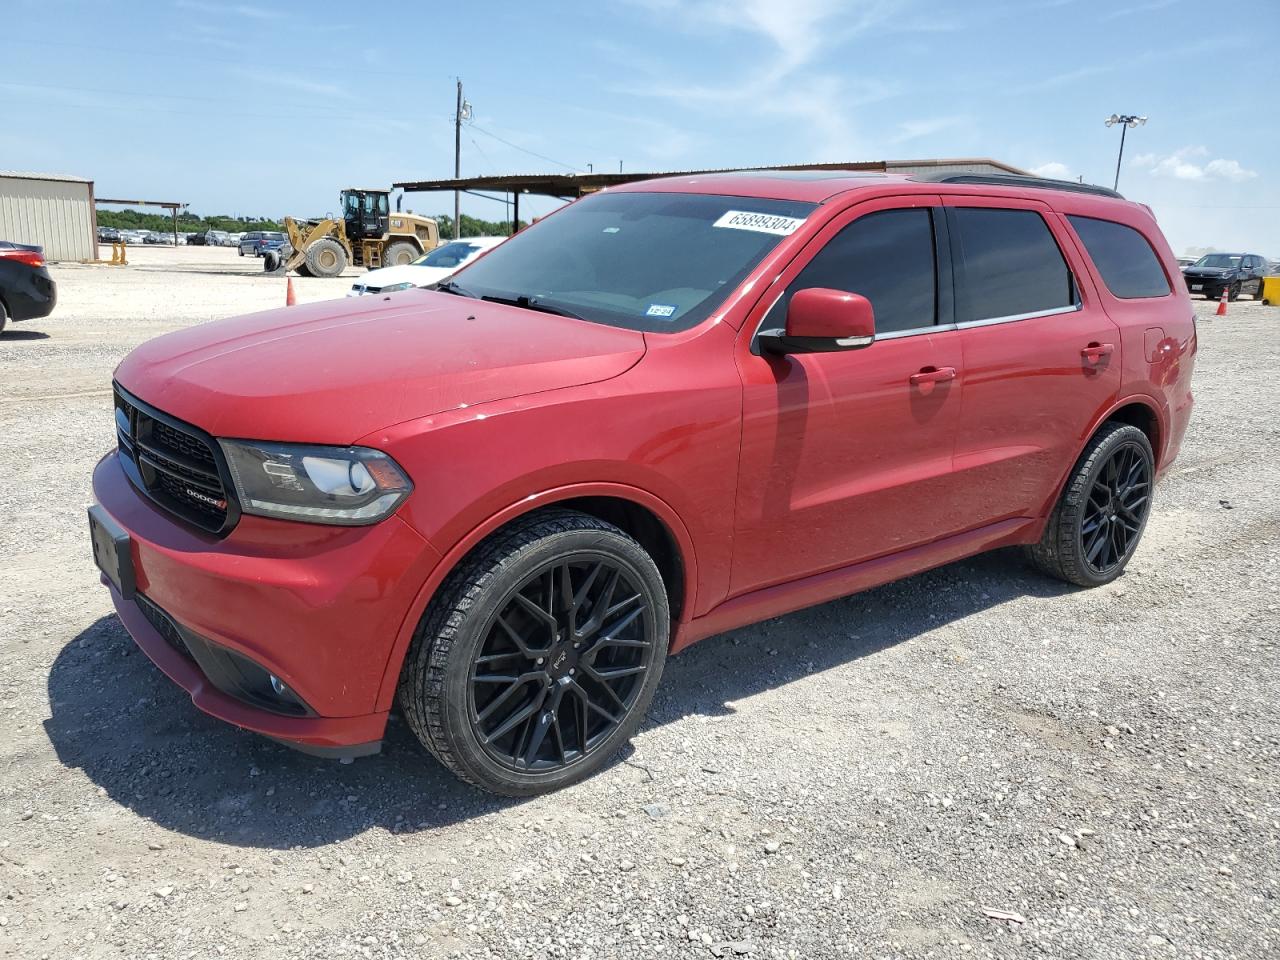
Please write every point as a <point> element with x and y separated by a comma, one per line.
<point>1041,357</point>
<point>847,456</point>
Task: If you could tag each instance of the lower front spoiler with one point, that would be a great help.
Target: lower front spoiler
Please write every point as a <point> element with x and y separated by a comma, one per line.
<point>332,737</point>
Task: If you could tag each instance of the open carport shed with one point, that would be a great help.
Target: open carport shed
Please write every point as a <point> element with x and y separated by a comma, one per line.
<point>570,186</point>
<point>54,212</point>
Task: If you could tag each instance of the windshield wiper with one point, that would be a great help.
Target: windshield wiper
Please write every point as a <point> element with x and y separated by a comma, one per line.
<point>448,286</point>
<point>529,303</point>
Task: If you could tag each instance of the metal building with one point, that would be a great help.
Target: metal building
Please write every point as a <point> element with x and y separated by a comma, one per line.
<point>55,212</point>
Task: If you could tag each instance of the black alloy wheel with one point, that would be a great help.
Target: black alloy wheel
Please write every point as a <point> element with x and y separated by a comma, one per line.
<point>1099,518</point>
<point>1116,509</point>
<point>539,655</point>
<point>562,664</point>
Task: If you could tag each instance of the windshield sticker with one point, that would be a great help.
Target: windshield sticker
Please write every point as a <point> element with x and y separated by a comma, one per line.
<point>759,222</point>
<point>661,310</point>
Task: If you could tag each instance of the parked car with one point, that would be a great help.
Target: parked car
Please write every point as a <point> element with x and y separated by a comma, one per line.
<point>108,235</point>
<point>431,267</point>
<point>27,292</point>
<point>155,238</point>
<point>197,239</point>
<point>1184,262</point>
<point>663,412</point>
<point>1237,272</point>
<point>256,242</point>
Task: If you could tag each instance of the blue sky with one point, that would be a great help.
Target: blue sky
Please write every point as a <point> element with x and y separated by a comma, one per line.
<point>269,108</point>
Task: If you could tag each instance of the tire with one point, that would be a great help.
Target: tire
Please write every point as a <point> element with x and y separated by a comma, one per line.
<point>302,270</point>
<point>4,316</point>
<point>1233,292</point>
<point>326,258</point>
<point>270,261</point>
<point>242,251</point>
<point>483,610</point>
<point>1067,548</point>
<point>399,253</point>
<point>1257,294</point>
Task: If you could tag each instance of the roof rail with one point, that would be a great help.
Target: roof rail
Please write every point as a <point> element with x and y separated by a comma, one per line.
<point>1017,180</point>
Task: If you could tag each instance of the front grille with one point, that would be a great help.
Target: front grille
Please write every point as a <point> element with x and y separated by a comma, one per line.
<point>173,463</point>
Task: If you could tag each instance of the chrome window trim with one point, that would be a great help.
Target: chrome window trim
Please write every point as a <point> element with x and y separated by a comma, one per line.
<point>1014,318</point>
<point>915,331</point>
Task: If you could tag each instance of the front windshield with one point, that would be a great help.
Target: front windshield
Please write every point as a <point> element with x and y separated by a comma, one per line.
<point>647,261</point>
<point>1223,260</point>
<point>449,255</point>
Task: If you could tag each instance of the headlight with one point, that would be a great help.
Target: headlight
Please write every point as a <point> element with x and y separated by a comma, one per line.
<point>396,286</point>
<point>342,485</point>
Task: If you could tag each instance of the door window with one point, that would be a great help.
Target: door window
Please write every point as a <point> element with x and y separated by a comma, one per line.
<point>887,257</point>
<point>1011,265</point>
<point>1123,256</point>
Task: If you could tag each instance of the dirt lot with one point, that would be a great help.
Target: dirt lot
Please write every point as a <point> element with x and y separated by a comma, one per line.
<point>862,779</point>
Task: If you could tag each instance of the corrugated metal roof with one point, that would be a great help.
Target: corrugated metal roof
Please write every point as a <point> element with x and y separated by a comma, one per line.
<point>63,178</point>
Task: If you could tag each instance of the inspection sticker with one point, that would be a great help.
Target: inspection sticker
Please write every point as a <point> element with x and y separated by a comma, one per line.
<point>759,222</point>
<point>660,310</point>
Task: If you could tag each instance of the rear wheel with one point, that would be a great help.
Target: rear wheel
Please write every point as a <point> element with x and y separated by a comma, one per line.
<point>1096,525</point>
<point>326,258</point>
<point>539,655</point>
<point>4,316</point>
<point>399,253</point>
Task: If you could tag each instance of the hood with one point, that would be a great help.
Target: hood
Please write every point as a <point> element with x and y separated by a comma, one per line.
<point>406,273</point>
<point>1209,271</point>
<point>336,371</point>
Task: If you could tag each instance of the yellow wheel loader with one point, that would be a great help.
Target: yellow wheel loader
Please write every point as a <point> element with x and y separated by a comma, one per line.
<point>369,235</point>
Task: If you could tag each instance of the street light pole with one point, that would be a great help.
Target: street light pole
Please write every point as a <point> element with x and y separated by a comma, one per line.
<point>1126,121</point>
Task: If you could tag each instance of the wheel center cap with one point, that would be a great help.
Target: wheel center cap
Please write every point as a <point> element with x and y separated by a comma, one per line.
<point>562,659</point>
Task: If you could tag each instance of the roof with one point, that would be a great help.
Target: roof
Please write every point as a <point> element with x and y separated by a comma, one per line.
<point>577,184</point>
<point>19,175</point>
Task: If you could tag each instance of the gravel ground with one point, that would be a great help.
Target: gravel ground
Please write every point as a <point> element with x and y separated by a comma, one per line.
<point>877,777</point>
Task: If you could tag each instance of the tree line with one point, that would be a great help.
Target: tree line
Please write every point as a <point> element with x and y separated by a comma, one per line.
<point>193,223</point>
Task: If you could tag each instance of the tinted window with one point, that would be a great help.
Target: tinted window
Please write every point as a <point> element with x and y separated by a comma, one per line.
<point>1012,265</point>
<point>887,257</point>
<point>1123,256</point>
<point>649,261</point>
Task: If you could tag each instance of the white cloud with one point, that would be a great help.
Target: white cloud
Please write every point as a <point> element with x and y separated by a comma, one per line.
<point>1054,170</point>
<point>236,9</point>
<point>914,129</point>
<point>1182,165</point>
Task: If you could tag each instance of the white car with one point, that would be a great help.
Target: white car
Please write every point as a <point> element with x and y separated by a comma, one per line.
<point>429,268</point>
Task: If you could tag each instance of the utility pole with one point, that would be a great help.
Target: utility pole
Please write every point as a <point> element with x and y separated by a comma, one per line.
<point>457,164</point>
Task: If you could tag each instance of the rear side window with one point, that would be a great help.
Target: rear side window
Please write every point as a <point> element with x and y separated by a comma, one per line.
<point>1128,265</point>
<point>1012,264</point>
<point>887,257</point>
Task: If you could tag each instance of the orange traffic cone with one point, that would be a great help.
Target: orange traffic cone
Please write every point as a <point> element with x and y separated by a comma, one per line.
<point>1222,304</point>
<point>289,298</point>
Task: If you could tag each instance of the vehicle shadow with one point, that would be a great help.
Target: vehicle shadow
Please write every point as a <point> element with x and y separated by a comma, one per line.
<point>136,736</point>
<point>9,335</point>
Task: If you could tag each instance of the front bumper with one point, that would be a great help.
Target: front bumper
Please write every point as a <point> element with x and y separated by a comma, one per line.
<point>318,607</point>
<point>1210,287</point>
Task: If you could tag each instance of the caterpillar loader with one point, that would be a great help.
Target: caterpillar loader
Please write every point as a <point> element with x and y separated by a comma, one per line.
<point>369,235</point>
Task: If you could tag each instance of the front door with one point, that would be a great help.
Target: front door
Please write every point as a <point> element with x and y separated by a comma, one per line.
<point>847,456</point>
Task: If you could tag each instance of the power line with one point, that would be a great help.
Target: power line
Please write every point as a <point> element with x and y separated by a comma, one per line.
<point>516,146</point>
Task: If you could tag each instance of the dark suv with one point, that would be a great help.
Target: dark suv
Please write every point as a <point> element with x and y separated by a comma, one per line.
<point>1237,273</point>
<point>257,242</point>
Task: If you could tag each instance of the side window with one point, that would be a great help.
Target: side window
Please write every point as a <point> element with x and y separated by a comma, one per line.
<point>887,257</point>
<point>1128,265</point>
<point>1011,265</point>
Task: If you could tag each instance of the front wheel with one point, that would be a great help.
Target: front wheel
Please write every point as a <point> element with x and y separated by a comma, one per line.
<point>1233,292</point>
<point>539,655</point>
<point>1096,525</point>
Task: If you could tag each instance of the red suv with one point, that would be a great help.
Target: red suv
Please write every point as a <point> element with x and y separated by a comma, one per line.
<point>667,410</point>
